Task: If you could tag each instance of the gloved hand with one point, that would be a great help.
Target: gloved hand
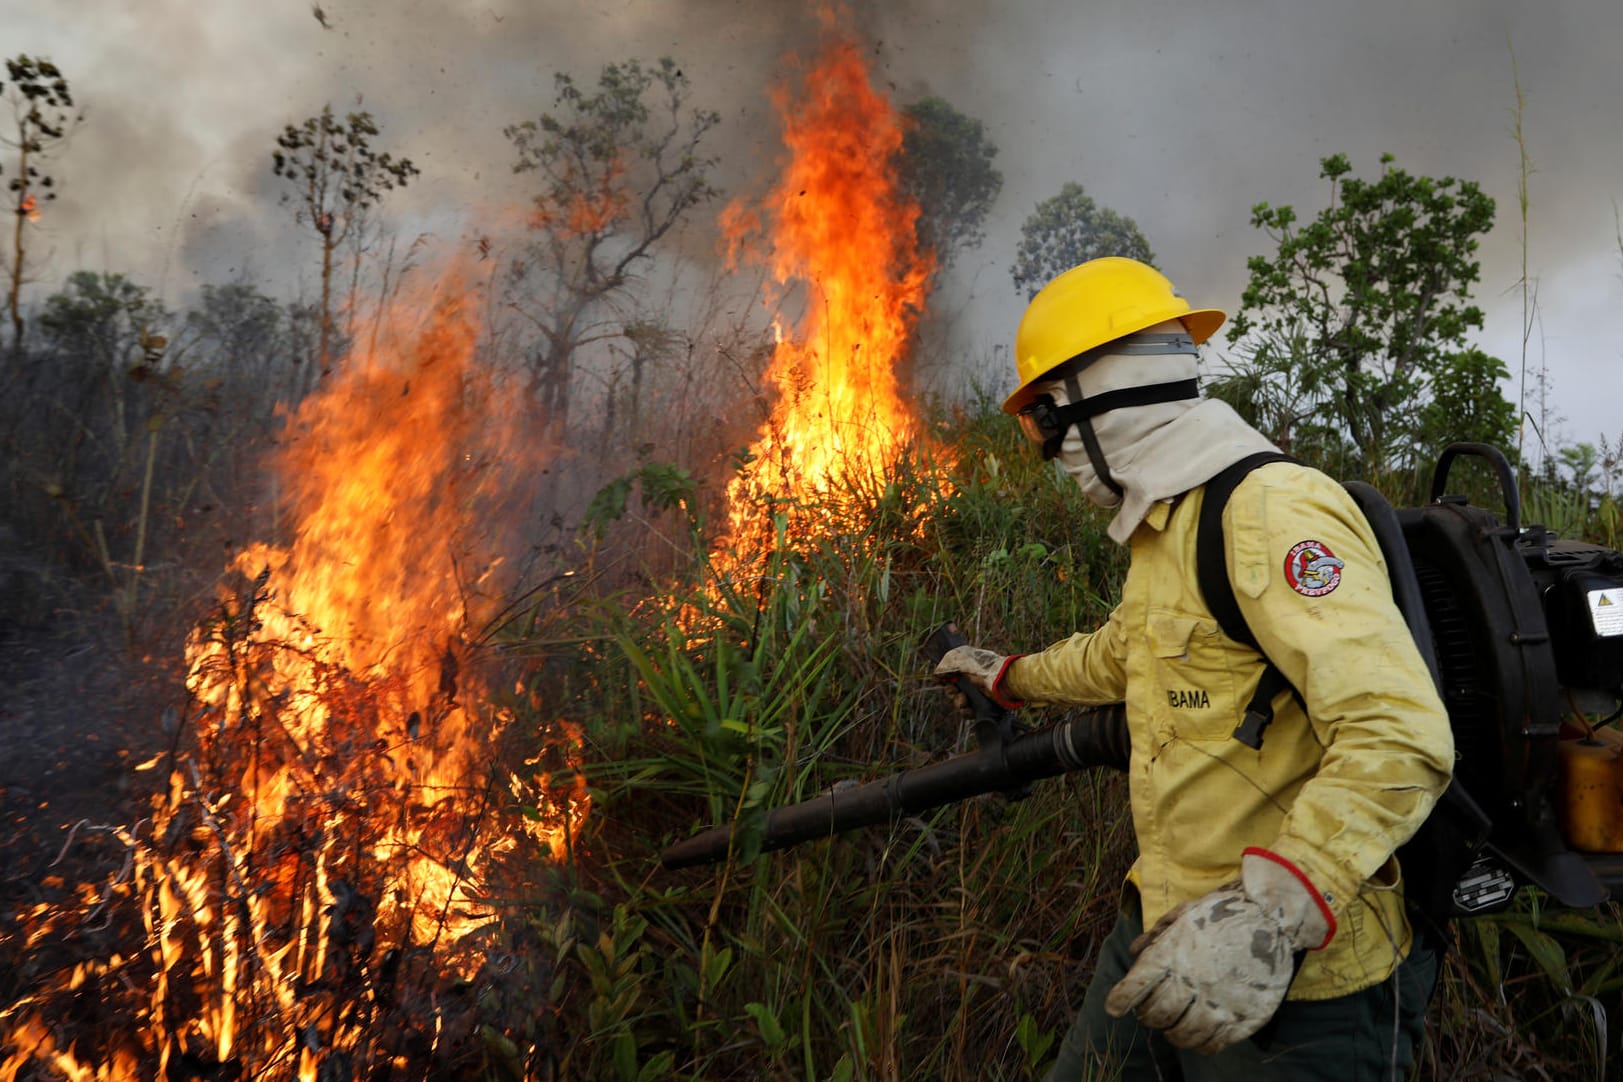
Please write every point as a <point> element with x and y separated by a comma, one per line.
<point>1213,971</point>
<point>982,668</point>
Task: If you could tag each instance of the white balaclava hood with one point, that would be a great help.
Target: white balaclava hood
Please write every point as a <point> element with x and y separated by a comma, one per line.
<point>1152,452</point>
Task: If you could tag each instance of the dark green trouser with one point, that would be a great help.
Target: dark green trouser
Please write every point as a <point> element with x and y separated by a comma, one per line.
<point>1369,1036</point>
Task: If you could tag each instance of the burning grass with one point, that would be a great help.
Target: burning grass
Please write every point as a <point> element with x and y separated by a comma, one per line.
<point>313,883</point>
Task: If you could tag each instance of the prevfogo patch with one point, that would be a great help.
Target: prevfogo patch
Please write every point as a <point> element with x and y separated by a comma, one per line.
<point>1312,569</point>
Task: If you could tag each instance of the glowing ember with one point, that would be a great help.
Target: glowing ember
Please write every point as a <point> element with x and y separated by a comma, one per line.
<point>29,208</point>
<point>840,228</point>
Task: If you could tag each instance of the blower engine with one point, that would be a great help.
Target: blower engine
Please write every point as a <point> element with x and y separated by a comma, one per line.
<point>1524,634</point>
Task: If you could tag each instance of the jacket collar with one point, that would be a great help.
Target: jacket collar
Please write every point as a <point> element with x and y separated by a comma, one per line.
<point>1158,514</point>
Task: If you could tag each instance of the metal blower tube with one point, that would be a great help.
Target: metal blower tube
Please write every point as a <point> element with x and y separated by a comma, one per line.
<point>1096,737</point>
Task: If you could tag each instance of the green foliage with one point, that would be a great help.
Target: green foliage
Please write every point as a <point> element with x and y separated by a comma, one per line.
<point>1573,494</point>
<point>250,343</point>
<point>1049,566</point>
<point>41,108</point>
<point>1466,404</point>
<point>1580,462</point>
<point>1034,1041</point>
<point>1363,313</point>
<point>946,166</point>
<point>663,486</point>
<point>1067,229</point>
<point>617,965</point>
<point>1278,391</point>
<point>619,167</point>
<point>103,319</point>
<point>1526,989</point>
<point>105,330</point>
<point>237,324</point>
<point>580,150</point>
<point>742,711</point>
<point>335,172</point>
<point>40,102</point>
<point>336,177</point>
<point>125,432</point>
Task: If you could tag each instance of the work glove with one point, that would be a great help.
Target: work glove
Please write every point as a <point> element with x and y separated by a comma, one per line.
<point>982,668</point>
<point>1214,970</point>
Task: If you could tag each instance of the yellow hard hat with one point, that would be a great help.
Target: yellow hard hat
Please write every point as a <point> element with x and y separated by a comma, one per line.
<point>1091,304</point>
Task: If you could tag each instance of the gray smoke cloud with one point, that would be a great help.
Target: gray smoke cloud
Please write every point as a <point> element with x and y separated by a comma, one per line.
<point>1179,115</point>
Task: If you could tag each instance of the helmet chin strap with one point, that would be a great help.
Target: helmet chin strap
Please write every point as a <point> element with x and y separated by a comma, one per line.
<point>1081,409</point>
<point>1090,439</point>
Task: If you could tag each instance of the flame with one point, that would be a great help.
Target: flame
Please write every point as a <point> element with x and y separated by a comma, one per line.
<point>370,596</point>
<point>29,208</point>
<point>592,205</point>
<point>842,231</point>
<point>339,808</point>
<point>335,813</point>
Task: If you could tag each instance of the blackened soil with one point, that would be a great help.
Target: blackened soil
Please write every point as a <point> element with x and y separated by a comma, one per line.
<point>78,714</point>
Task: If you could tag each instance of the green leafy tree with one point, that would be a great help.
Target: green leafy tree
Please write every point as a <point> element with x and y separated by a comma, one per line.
<point>42,116</point>
<point>106,331</point>
<point>237,327</point>
<point>1070,228</point>
<point>116,393</point>
<point>1364,313</point>
<point>337,178</point>
<point>946,166</point>
<point>1281,396</point>
<point>619,167</point>
<point>245,344</point>
<point>1465,403</point>
<point>1581,462</point>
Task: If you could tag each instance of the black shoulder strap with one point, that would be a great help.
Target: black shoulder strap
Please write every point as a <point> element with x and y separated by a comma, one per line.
<point>1212,575</point>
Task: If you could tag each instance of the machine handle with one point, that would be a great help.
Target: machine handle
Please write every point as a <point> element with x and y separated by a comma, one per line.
<point>1501,468</point>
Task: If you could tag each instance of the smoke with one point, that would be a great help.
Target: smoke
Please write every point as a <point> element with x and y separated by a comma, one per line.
<point>1181,117</point>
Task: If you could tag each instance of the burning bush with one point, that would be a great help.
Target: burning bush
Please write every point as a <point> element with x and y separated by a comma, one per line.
<point>310,889</point>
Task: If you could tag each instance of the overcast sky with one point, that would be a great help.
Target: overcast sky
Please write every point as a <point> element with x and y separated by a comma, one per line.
<point>1181,115</point>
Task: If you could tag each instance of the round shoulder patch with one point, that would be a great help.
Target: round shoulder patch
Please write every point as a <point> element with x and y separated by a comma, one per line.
<point>1312,569</point>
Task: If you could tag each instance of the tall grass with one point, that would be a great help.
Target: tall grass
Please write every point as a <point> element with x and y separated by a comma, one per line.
<point>952,945</point>
<point>1524,284</point>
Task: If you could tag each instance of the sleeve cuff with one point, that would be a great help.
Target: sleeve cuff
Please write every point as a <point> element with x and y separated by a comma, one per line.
<point>1321,900</point>
<point>1002,694</point>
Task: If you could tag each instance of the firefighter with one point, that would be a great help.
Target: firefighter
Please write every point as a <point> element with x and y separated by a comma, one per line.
<point>1277,943</point>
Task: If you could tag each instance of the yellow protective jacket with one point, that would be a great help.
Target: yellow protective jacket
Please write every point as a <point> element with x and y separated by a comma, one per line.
<point>1335,788</point>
